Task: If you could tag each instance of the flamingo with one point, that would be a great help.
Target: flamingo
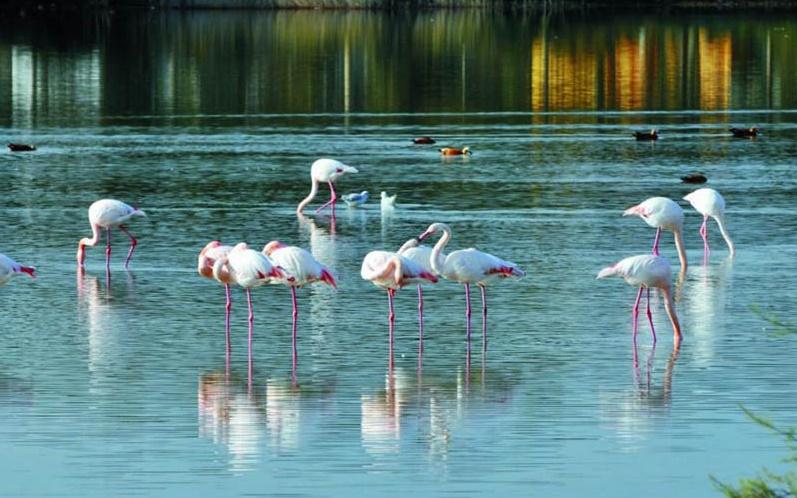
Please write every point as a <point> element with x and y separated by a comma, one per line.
<point>662,214</point>
<point>392,271</point>
<point>422,256</point>
<point>645,271</point>
<point>325,170</point>
<point>249,269</point>
<point>213,251</point>
<point>709,202</point>
<point>9,268</point>
<point>300,268</point>
<point>107,214</point>
<point>468,266</point>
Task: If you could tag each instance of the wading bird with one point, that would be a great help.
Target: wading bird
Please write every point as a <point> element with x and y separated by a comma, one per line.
<point>9,268</point>
<point>646,271</point>
<point>107,214</point>
<point>662,214</point>
<point>709,202</point>
<point>421,256</point>
<point>249,269</point>
<point>325,171</point>
<point>468,266</point>
<point>299,268</point>
<point>208,256</point>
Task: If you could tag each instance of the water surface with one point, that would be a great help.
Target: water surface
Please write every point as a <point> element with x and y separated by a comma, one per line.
<point>210,122</point>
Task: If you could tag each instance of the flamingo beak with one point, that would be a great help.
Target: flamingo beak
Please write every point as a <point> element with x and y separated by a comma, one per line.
<point>424,235</point>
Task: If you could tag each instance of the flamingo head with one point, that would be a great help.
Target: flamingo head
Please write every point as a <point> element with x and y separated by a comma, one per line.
<point>433,228</point>
<point>210,245</point>
<point>637,210</point>
<point>272,246</point>
<point>609,271</point>
<point>29,270</point>
<point>241,246</point>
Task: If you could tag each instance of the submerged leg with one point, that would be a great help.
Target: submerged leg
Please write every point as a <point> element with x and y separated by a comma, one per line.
<point>420,318</point>
<point>251,322</point>
<point>484,316</point>
<point>227,310</point>
<point>391,318</point>
<point>467,311</point>
<point>635,311</point>
<point>295,316</point>
<point>650,316</point>
<point>133,244</point>
<point>656,242</point>
<point>108,248</point>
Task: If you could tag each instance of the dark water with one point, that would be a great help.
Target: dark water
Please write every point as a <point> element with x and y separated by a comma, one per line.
<point>210,122</point>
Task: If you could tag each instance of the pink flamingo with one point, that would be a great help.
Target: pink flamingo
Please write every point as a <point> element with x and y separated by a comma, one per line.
<point>107,214</point>
<point>645,271</point>
<point>662,214</point>
<point>709,202</point>
<point>391,271</point>
<point>213,251</point>
<point>249,269</point>
<point>468,266</point>
<point>325,171</point>
<point>9,268</point>
<point>420,255</point>
<point>300,268</point>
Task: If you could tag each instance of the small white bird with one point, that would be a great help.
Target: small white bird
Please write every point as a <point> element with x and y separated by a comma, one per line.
<point>356,200</point>
<point>646,271</point>
<point>9,268</point>
<point>388,201</point>
<point>709,202</point>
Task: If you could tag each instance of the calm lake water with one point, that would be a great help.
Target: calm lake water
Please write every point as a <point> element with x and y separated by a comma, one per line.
<point>210,121</point>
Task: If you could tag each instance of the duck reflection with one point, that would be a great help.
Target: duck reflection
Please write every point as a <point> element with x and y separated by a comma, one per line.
<point>228,415</point>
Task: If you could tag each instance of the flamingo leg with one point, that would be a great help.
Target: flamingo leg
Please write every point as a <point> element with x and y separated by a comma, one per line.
<point>333,197</point>
<point>650,316</point>
<point>704,235</point>
<point>133,244</point>
<point>108,249</point>
<point>467,311</point>
<point>251,323</point>
<point>420,318</point>
<point>484,316</point>
<point>635,311</point>
<point>656,242</point>
<point>391,318</point>
<point>227,309</point>
<point>295,317</point>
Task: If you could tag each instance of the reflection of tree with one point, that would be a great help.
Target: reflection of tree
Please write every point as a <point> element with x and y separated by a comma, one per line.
<point>196,63</point>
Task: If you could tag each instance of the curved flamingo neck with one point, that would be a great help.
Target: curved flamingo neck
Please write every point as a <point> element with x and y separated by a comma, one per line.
<point>679,245</point>
<point>724,232</point>
<point>398,271</point>
<point>437,261</point>
<point>91,242</point>
<point>221,272</point>
<point>306,201</point>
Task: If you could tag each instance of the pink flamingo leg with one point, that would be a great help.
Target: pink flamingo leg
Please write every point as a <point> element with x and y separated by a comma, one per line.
<point>133,244</point>
<point>107,249</point>
<point>420,318</point>
<point>467,311</point>
<point>333,197</point>
<point>656,242</point>
<point>295,317</point>
<point>704,235</point>
<point>635,311</point>
<point>227,309</point>
<point>650,316</point>
<point>391,318</point>
<point>484,316</point>
<point>251,322</point>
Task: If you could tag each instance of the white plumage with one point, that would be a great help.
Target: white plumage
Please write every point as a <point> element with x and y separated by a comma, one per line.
<point>9,268</point>
<point>709,202</point>
<point>390,270</point>
<point>298,265</point>
<point>663,214</point>
<point>325,171</point>
<point>247,267</point>
<point>387,202</point>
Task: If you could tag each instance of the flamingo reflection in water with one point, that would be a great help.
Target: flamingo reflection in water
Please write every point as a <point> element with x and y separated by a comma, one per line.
<point>228,415</point>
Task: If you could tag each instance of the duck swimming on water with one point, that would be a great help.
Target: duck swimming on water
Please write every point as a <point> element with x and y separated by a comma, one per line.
<point>694,178</point>
<point>745,132</point>
<point>423,141</point>
<point>454,151</point>
<point>21,147</point>
<point>647,135</point>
